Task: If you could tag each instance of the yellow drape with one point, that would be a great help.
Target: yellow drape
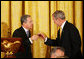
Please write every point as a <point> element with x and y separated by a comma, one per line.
<point>41,13</point>
<point>79,19</point>
<point>16,13</point>
<point>5,19</point>
<point>53,25</point>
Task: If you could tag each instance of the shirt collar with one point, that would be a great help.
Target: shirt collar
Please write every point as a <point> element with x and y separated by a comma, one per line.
<point>25,29</point>
<point>63,24</point>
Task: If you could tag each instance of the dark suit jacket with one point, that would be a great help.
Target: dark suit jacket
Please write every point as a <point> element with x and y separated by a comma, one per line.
<point>70,40</point>
<point>25,49</point>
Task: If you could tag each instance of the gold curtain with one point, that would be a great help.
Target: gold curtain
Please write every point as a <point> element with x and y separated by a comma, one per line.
<point>41,13</point>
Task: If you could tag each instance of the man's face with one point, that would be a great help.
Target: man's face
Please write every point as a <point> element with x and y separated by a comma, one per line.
<point>56,21</point>
<point>29,23</point>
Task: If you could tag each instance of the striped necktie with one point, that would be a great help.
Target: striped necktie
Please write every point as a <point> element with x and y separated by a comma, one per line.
<point>27,33</point>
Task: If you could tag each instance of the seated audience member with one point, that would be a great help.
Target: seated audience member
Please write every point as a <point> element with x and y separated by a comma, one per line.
<point>58,52</point>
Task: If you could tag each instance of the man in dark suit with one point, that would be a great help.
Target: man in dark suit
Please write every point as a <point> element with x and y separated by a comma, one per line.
<point>68,36</point>
<point>24,33</point>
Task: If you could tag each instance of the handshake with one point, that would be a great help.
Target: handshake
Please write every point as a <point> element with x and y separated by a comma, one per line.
<point>35,37</point>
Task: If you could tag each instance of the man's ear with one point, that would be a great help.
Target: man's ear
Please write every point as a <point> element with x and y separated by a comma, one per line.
<point>23,23</point>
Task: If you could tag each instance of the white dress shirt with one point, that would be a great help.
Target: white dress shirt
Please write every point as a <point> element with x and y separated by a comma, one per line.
<point>61,27</point>
<point>26,33</point>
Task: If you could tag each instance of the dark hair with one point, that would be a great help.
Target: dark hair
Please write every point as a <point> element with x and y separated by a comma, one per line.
<point>53,50</point>
<point>59,14</point>
<point>24,18</point>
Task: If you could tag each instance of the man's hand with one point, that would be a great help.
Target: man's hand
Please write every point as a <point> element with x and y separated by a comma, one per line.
<point>34,37</point>
<point>42,35</point>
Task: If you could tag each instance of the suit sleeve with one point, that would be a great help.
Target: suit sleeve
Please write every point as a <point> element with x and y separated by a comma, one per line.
<point>76,41</point>
<point>52,42</point>
<point>25,41</point>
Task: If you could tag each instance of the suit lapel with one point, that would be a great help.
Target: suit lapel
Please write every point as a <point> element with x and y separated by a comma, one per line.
<point>29,33</point>
<point>64,28</point>
<point>23,31</point>
<point>58,34</point>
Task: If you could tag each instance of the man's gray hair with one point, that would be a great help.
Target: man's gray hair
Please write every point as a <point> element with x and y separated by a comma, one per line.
<point>59,14</point>
<point>53,50</point>
<point>24,18</point>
